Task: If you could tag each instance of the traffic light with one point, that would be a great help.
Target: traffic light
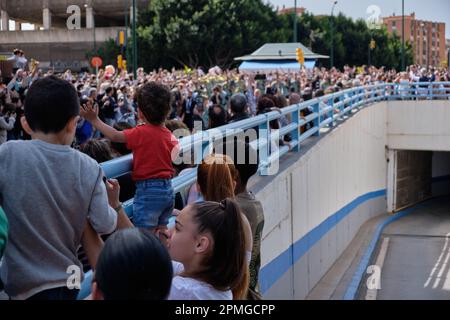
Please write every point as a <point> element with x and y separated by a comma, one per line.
<point>373,44</point>
<point>121,39</point>
<point>120,62</point>
<point>300,56</point>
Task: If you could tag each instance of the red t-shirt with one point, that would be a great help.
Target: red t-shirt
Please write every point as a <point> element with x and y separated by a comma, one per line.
<point>152,148</point>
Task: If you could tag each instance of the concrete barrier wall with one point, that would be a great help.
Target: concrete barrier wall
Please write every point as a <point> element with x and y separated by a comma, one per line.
<point>419,125</point>
<point>59,36</point>
<point>315,207</point>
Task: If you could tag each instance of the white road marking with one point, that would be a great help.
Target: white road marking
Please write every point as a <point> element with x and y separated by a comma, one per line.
<point>372,293</point>
<point>436,266</point>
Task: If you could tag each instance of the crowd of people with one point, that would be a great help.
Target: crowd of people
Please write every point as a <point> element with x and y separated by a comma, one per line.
<point>58,206</point>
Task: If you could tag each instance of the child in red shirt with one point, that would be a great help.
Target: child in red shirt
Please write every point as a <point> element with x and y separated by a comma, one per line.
<point>152,145</point>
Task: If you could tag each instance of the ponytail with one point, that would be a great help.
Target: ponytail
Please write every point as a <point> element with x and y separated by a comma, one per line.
<point>226,267</point>
<point>241,285</point>
<point>216,176</point>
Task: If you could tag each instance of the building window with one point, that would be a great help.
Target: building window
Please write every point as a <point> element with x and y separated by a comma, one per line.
<point>394,24</point>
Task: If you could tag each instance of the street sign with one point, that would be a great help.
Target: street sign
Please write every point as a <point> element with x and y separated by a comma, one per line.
<point>96,62</point>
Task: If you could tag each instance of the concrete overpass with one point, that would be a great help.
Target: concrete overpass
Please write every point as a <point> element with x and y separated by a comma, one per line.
<point>372,152</point>
<point>52,42</point>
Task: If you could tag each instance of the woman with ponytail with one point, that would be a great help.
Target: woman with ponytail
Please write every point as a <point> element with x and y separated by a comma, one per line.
<point>216,180</point>
<point>209,246</point>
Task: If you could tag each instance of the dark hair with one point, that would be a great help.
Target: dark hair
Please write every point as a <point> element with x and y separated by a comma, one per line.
<point>50,104</point>
<point>174,125</point>
<point>9,107</point>
<point>109,90</point>
<point>238,103</point>
<point>154,102</point>
<point>265,104</point>
<point>121,148</point>
<point>245,160</point>
<point>280,102</point>
<point>226,268</point>
<point>99,150</point>
<point>217,119</point>
<point>134,265</point>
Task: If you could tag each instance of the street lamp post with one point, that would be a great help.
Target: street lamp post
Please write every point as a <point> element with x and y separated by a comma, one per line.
<point>295,21</point>
<point>332,35</point>
<point>403,35</point>
<point>134,42</point>
<point>126,9</point>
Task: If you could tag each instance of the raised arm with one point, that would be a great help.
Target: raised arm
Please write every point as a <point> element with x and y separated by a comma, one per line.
<point>90,113</point>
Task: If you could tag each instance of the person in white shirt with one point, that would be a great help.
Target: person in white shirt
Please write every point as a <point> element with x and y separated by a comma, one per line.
<point>208,244</point>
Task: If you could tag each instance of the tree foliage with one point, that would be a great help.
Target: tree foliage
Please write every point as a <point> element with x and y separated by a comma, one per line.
<point>177,33</point>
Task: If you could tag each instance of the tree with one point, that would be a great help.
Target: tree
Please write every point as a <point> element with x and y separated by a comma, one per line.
<point>178,33</point>
<point>207,32</point>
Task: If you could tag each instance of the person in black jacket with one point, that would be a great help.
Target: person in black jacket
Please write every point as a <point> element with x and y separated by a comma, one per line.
<point>238,106</point>
<point>187,110</point>
<point>109,107</point>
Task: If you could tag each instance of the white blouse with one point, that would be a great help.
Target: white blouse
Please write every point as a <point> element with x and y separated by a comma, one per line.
<point>192,289</point>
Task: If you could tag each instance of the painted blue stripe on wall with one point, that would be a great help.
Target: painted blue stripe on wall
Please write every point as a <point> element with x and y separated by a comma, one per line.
<point>275,269</point>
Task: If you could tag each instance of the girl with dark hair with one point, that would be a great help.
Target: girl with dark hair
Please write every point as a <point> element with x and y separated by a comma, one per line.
<point>216,180</point>
<point>133,265</point>
<point>208,244</point>
<point>99,150</point>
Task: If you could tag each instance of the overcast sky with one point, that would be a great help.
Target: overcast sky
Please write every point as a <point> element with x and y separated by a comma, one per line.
<point>434,10</point>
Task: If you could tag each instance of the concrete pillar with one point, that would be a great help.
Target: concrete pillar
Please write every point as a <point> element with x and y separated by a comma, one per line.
<point>18,26</point>
<point>90,19</point>
<point>5,20</point>
<point>47,19</point>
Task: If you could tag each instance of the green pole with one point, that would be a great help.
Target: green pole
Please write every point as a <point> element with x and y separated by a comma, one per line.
<point>332,44</point>
<point>134,41</point>
<point>127,7</point>
<point>332,36</point>
<point>403,36</point>
<point>295,21</point>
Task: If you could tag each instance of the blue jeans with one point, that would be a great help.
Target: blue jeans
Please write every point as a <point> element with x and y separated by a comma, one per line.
<point>153,203</point>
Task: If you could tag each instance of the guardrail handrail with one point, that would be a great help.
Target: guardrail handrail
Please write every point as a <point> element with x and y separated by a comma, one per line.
<point>326,111</point>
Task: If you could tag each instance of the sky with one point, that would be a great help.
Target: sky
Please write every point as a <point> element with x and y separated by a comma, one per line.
<point>431,10</point>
